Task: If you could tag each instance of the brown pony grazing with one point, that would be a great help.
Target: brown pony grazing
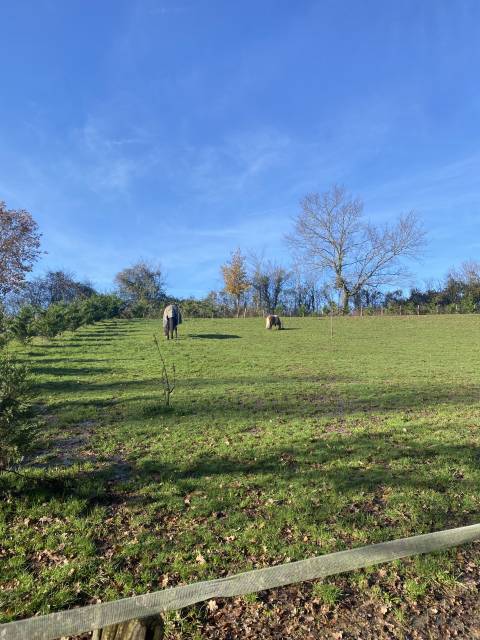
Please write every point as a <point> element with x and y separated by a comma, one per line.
<point>171,319</point>
<point>273,321</point>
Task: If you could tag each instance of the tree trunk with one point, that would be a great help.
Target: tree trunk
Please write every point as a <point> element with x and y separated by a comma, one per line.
<point>345,302</point>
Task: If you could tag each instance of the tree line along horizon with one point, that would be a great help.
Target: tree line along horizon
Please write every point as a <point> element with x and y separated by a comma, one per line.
<point>341,263</point>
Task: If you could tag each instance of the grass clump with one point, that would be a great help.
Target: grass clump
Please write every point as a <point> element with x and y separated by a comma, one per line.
<point>414,589</point>
<point>327,593</point>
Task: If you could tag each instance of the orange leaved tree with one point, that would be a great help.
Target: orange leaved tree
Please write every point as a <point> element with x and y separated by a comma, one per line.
<point>235,277</point>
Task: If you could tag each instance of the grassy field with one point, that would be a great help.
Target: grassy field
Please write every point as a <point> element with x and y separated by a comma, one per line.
<point>278,446</point>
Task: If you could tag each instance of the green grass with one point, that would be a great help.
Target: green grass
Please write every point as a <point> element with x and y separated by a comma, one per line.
<point>278,445</point>
<point>327,593</point>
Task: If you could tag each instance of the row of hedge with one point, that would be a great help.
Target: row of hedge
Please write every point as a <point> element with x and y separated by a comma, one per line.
<point>31,321</point>
<point>18,422</point>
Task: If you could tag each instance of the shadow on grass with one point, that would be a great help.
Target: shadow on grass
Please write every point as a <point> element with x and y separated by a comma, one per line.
<point>69,371</point>
<point>244,397</point>
<point>366,462</point>
<point>87,339</point>
<point>158,408</point>
<point>249,393</point>
<point>357,462</point>
<point>214,336</point>
<point>43,359</point>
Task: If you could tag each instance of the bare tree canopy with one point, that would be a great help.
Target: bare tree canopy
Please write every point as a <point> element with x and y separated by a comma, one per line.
<point>54,286</point>
<point>462,283</point>
<point>468,273</point>
<point>332,236</point>
<point>19,247</point>
<point>305,292</point>
<point>269,281</point>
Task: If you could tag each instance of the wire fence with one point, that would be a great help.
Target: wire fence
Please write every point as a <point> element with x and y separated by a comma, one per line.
<point>392,310</point>
<point>99,616</point>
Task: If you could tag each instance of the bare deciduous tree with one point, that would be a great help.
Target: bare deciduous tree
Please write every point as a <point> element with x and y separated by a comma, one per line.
<point>19,247</point>
<point>462,283</point>
<point>54,286</point>
<point>469,272</point>
<point>332,236</point>
<point>305,292</point>
<point>268,280</point>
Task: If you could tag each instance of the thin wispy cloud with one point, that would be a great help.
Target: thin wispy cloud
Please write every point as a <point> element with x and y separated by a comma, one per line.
<point>216,172</point>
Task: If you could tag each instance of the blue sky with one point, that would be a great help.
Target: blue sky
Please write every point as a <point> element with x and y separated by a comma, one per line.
<point>175,131</point>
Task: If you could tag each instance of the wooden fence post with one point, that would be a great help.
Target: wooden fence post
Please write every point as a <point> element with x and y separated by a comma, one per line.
<point>144,629</point>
